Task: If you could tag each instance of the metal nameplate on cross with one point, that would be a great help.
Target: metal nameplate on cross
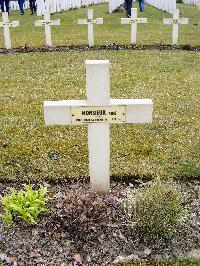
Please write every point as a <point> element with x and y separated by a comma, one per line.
<point>103,114</point>
<point>97,112</point>
<point>90,21</point>
<point>6,24</point>
<point>47,22</point>
<point>133,21</point>
<point>175,21</point>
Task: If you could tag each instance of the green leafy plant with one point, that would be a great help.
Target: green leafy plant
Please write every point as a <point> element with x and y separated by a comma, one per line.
<point>25,204</point>
<point>158,210</point>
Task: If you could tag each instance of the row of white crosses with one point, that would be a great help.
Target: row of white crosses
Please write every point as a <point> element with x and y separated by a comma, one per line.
<point>98,112</point>
<point>134,20</point>
<point>47,23</point>
<point>90,21</point>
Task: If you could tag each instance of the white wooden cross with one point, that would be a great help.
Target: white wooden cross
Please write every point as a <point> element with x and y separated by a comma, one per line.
<point>90,21</point>
<point>133,21</point>
<point>47,22</point>
<point>6,25</point>
<point>98,111</point>
<point>175,21</point>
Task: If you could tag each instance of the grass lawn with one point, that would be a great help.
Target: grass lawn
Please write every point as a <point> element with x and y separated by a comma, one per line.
<point>167,147</point>
<point>112,31</point>
<point>178,262</point>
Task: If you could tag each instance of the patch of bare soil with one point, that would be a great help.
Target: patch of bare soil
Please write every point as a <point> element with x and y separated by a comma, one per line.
<point>109,47</point>
<point>83,228</point>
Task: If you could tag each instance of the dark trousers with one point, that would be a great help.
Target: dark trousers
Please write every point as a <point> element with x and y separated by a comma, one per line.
<point>128,4</point>
<point>141,5</point>
<point>32,6</point>
<point>7,2</point>
<point>21,6</point>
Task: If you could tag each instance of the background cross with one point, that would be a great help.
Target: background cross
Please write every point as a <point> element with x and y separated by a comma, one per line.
<point>175,22</point>
<point>90,21</point>
<point>47,23</point>
<point>134,20</point>
<point>6,25</point>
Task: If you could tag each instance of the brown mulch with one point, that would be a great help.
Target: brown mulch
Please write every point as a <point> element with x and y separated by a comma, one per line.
<point>83,228</point>
<point>109,47</point>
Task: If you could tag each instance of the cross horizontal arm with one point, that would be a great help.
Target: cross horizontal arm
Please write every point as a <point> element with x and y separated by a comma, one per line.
<point>175,21</point>
<point>56,22</point>
<point>135,20</point>
<point>10,24</point>
<point>183,21</point>
<point>51,22</point>
<point>90,21</point>
<point>136,110</point>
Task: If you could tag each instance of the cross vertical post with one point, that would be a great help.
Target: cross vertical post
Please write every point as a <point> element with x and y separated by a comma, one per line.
<point>97,88</point>
<point>175,27</point>
<point>47,28</point>
<point>133,25</point>
<point>6,30</point>
<point>90,28</point>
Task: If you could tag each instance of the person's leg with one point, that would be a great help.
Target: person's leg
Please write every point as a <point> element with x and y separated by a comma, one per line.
<point>142,5</point>
<point>21,6</point>
<point>31,5</point>
<point>34,6</point>
<point>2,5</point>
<point>130,3</point>
<point>7,3</point>
<point>125,4</point>
<point>139,2</point>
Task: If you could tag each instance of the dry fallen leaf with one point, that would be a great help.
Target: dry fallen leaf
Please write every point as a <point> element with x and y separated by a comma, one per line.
<point>5,143</point>
<point>34,254</point>
<point>10,260</point>
<point>7,259</point>
<point>2,256</point>
<point>24,249</point>
<point>78,258</point>
<point>147,251</point>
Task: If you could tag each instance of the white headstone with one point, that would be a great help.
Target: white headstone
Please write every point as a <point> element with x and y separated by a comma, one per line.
<point>90,21</point>
<point>133,21</point>
<point>6,25</point>
<point>175,22</point>
<point>47,23</point>
<point>98,111</point>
